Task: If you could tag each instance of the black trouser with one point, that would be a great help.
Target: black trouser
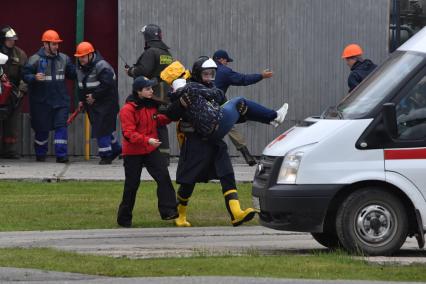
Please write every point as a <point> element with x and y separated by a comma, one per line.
<point>163,136</point>
<point>156,165</point>
<point>185,190</point>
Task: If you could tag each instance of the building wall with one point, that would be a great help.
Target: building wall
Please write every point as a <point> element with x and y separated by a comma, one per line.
<point>31,18</point>
<point>300,40</point>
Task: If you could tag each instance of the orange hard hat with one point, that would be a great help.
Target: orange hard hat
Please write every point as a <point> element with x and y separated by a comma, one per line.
<point>84,48</point>
<point>352,50</point>
<point>50,36</point>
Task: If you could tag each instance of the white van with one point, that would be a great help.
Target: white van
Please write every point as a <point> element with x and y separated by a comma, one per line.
<point>356,176</point>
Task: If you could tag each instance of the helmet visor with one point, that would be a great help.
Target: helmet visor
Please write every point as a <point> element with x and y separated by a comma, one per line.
<point>208,75</point>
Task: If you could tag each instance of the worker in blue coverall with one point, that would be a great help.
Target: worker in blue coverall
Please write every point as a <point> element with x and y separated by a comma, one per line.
<point>226,77</point>
<point>45,73</point>
<point>98,95</point>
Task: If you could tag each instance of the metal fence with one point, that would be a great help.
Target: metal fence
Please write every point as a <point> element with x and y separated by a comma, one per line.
<point>300,40</point>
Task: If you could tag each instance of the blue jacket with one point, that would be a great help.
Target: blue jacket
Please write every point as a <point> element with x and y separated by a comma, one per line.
<point>52,91</point>
<point>226,77</point>
<point>359,71</point>
<point>98,78</point>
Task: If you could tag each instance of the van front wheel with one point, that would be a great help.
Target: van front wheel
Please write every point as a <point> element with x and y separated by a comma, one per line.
<point>372,221</point>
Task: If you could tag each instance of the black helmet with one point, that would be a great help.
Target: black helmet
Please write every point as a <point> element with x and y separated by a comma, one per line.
<point>7,33</point>
<point>151,32</point>
<point>202,63</point>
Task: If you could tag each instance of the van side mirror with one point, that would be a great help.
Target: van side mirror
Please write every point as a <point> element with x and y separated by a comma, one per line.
<point>389,119</point>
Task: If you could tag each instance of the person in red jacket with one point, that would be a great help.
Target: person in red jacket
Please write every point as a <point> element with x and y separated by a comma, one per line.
<point>139,122</point>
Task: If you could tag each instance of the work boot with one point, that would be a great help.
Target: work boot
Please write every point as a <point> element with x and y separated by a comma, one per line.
<point>40,158</point>
<point>62,160</point>
<point>181,220</point>
<point>238,216</point>
<point>281,114</point>
<point>105,161</point>
<point>11,156</point>
<point>250,160</point>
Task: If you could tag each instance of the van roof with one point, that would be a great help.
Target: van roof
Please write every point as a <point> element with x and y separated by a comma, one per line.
<point>415,43</point>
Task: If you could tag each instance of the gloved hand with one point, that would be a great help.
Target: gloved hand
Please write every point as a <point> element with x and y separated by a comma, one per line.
<point>185,100</point>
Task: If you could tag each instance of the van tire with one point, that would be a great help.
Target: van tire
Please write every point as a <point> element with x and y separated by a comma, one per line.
<point>372,221</point>
<point>329,240</point>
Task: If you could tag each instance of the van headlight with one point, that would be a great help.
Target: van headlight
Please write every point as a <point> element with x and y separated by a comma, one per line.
<point>289,167</point>
<point>291,163</point>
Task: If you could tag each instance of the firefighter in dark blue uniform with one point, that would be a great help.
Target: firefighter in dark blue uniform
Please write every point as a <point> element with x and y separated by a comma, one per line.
<point>226,77</point>
<point>98,95</point>
<point>45,72</point>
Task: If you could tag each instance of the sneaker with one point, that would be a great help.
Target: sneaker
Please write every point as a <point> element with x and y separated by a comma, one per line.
<point>281,113</point>
<point>62,160</point>
<point>40,158</point>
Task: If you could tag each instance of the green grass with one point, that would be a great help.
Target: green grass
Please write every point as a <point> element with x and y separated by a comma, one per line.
<point>90,205</point>
<point>335,265</point>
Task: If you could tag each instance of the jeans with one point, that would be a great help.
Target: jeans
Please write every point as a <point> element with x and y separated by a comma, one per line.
<point>255,112</point>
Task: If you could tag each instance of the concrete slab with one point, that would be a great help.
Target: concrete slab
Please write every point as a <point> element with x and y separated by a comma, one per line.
<point>79,169</point>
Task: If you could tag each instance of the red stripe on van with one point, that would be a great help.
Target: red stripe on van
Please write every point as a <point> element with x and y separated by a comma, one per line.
<point>405,154</point>
<point>279,138</point>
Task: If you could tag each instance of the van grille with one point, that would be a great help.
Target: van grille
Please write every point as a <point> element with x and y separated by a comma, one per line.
<point>264,171</point>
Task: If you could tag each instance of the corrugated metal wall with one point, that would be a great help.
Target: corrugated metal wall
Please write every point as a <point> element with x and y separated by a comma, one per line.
<point>300,40</point>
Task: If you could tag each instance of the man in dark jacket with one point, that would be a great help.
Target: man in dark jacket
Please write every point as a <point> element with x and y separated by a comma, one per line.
<point>45,73</point>
<point>360,68</point>
<point>13,70</point>
<point>226,77</point>
<point>202,159</point>
<point>154,59</point>
<point>99,96</point>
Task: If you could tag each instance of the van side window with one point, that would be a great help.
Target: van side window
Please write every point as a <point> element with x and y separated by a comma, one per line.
<point>411,113</point>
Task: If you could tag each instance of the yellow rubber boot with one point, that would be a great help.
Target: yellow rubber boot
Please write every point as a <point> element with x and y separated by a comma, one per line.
<point>181,220</point>
<point>238,216</point>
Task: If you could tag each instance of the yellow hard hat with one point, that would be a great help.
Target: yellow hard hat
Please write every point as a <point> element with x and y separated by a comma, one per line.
<point>174,71</point>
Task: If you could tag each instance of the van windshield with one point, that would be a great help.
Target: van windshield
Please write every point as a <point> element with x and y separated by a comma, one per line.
<point>380,84</point>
